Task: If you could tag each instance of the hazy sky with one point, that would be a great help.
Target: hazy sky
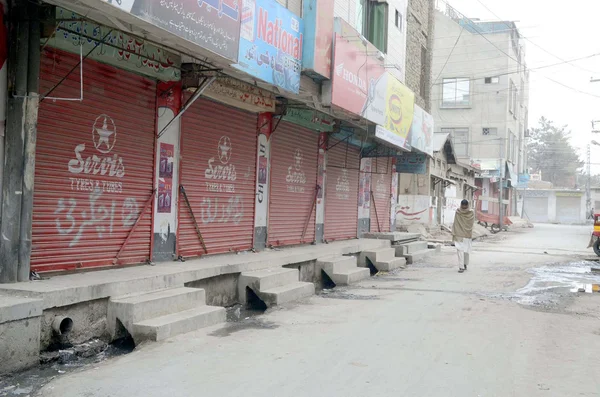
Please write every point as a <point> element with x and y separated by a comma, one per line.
<point>567,30</point>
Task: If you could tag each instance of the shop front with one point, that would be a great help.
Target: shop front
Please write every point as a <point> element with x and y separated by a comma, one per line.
<point>93,199</point>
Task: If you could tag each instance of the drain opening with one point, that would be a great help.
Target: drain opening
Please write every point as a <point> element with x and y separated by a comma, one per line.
<point>326,281</point>
<point>253,301</point>
<point>371,267</point>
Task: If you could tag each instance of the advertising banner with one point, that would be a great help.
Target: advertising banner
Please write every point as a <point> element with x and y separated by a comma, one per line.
<point>318,38</point>
<point>310,119</point>
<point>361,85</point>
<point>411,163</point>
<point>421,131</point>
<point>271,44</point>
<point>211,24</point>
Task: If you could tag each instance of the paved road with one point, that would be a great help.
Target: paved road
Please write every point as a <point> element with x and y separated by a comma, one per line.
<point>425,331</point>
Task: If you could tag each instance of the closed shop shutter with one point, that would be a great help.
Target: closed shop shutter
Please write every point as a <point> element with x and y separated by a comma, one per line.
<point>94,166</point>
<point>218,173</point>
<point>294,152</point>
<point>568,209</point>
<point>341,192</point>
<point>381,183</point>
<point>536,209</point>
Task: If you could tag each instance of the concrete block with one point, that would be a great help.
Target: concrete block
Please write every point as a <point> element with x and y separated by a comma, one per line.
<point>15,308</point>
<point>378,255</point>
<point>262,280</point>
<point>164,327</point>
<point>19,344</point>
<point>409,248</point>
<point>392,236</point>
<point>416,256</point>
<point>350,276</point>
<point>389,265</point>
<point>287,293</point>
<point>135,308</point>
<point>337,264</point>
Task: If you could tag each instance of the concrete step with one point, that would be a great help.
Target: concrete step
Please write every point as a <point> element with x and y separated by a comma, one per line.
<point>409,248</point>
<point>287,293</point>
<point>262,280</point>
<point>131,309</point>
<point>337,264</point>
<point>387,266</point>
<point>164,327</point>
<point>378,255</point>
<point>350,276</point>
<point>416,256</point>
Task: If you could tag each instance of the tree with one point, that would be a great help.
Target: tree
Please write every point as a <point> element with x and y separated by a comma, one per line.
<point>550,151</point>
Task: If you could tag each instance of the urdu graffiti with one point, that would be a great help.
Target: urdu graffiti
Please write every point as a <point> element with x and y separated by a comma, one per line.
<point>342,186</point>
<point>296,179</point>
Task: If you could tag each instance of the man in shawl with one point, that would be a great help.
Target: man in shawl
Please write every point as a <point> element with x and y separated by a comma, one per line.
<point>462,234</point>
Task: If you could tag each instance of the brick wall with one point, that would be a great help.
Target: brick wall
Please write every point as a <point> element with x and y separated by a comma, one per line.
<point>420,20</point>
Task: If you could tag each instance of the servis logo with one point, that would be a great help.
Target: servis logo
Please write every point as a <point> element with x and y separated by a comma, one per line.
<point>104,138</point>
<point>223,171</point>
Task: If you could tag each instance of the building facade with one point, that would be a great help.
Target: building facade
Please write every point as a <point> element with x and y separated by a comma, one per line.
<point>480,96</point>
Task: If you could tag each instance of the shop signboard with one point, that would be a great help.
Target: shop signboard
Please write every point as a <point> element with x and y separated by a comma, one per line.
<point>411,163</point>
<point>318,38</point>
<point>421,131</point>
<point>310,119</point>
<point>271,39</point>
<point>210,24</point>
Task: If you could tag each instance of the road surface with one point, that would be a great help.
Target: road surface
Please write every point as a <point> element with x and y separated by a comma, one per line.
<point>424,331</point>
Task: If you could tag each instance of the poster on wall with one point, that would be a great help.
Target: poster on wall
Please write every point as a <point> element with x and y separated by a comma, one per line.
<point>271,44</point>
<point>214,25</point>
<point>421,131</point>
<point>165,177</point>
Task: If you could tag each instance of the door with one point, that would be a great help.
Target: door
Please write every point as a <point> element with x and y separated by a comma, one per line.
<point>341,192</point>
<point>292,202</point>
<point>568,209</point>
<point>381,184</point>
<point>536,209</point>
<point>218,174</point>
<point>94,166</point>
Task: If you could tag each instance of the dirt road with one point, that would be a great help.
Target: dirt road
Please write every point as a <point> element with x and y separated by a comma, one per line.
<point>500,329</point>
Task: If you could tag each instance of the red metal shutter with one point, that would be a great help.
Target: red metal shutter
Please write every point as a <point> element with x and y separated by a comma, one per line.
<point>341,192</point>
<point>381,184</point>
<point>94,166</point>
<point>218,172</point>
<point>294,152</point>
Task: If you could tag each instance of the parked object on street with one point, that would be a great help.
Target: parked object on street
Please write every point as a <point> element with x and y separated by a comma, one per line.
<point>462,234</point>
<point>492,221</point>
<point>594,239</point>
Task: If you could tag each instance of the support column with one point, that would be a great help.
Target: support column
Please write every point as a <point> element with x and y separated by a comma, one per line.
<point>321,180</point>
<point>364,197</point>
<point>263,177</point>
<point>166,175</point>
<point>12,188</point>
<point>394,195</point>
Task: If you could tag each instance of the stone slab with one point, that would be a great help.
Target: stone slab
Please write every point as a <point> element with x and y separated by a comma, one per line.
<point>15,308</point>
<point>392,236</point>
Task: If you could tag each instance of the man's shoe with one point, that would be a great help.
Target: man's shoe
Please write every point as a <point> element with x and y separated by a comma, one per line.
<point>461,270</point>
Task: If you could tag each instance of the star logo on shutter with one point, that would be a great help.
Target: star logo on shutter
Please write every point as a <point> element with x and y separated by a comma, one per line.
<point>104,134</point>
<point>224,149</point>
<point>298,159</point>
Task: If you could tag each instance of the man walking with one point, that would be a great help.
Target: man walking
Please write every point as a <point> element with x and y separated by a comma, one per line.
<point>462,234</point>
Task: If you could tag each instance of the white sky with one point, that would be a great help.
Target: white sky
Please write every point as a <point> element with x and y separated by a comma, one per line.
<point>567,30</point>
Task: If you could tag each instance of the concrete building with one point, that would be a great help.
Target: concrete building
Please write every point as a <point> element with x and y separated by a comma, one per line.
<point>480,96</point>
<point>553,206</point>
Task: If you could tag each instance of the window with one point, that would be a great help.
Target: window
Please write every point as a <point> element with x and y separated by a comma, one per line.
<point>489,131</point>
<point>372,22</point>
<point>456,92</point>
<point>512,99</point>
<point>460,139</point>
<point>399,20</point>
<point>492,80</point>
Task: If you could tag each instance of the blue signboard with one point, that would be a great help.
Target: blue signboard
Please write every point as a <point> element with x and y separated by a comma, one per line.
<point>411,163</point>
<point>271,44</point>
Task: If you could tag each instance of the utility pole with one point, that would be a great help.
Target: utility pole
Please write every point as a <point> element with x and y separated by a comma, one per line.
<point>501,187</point>
<point>588,183</point>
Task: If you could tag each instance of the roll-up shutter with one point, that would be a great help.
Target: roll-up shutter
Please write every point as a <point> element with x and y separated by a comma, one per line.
<point>536,209</point>
<point>568,209</point>
<point>341,192</point>
<point>381,184</point>
<point>218,173</point>
<point>294,152</point>
<point>94,166</point>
